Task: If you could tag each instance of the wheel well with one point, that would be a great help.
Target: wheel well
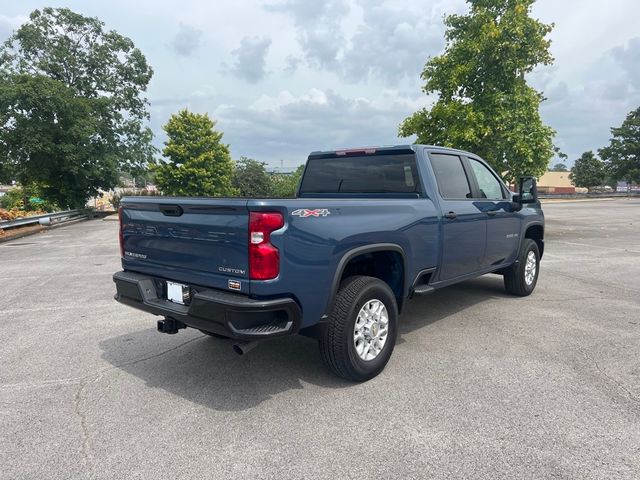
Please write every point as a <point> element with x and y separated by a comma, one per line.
<point>536,233</point>
<point>386,265</point>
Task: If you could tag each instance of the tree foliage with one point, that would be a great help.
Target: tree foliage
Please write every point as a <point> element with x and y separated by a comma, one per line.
<point>589,171</point>
<point>622,155</point>
<point>198,163</point>
<point>485,105</point>
<point>559,167</point>
<point>286,185</point>
<point>73,110</point>
<point>28,199</point>
<point>250,178</point>
<point>561,155</point>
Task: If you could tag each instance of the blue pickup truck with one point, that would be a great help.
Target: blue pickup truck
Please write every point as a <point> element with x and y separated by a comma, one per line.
<point>370,228</point>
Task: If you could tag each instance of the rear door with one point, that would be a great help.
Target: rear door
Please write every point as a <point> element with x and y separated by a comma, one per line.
<point>199,241</point>
<point>503,224</point>
<point>463,223</point>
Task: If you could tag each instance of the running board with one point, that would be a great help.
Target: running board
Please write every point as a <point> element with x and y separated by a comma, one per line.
<point>423,290</point>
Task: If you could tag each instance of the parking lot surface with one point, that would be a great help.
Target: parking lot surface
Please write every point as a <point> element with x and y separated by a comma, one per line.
<point>480,385</point>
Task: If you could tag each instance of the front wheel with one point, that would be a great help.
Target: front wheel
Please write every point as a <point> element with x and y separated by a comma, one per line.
<point>521,278</point>
<point>361,332</point>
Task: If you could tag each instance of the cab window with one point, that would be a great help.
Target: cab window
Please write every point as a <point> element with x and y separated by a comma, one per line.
<point>488,184</point>
<point>452,180</point>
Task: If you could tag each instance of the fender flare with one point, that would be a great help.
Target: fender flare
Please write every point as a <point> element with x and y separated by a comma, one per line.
<point>350,254</point>
<point>527,226</point>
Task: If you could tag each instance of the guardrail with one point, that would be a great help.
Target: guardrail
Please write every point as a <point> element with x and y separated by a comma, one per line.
<point>46,219</point>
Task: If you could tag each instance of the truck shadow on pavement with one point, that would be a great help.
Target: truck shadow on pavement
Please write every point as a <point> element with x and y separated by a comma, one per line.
<point>423,311</point>
<point>205,370</point>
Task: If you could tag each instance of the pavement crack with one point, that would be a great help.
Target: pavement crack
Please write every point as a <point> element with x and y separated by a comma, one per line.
<point>620,385</point>
<point>599,283</point>
<point>87,456</point>
<point>94,376</point>
<point>156,355</point>
<point>629,394</point>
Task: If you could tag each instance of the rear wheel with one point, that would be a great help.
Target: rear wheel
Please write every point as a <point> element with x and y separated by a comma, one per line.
<point>361,333</point>
<point>521,278</point>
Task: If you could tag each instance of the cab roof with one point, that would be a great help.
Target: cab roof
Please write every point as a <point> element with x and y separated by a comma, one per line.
<point>386,149</point>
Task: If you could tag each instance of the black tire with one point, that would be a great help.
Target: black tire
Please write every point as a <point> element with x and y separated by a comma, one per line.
<point>337,339</point>
<point>214,335</point>
<point>515,277</point>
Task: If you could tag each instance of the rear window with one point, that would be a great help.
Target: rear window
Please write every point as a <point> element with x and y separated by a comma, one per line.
<point>361,174</point>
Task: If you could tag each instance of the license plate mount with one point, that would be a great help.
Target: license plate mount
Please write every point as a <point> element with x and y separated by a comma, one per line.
<point>177,293</point>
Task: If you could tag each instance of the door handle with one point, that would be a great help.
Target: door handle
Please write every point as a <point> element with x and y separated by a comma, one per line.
<point>492,213</point>
<point>450,215</point>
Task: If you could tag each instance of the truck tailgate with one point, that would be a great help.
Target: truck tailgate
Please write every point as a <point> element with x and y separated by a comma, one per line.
<point>199,241</point>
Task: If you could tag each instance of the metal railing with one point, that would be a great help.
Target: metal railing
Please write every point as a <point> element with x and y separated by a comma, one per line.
<point>45,219</point>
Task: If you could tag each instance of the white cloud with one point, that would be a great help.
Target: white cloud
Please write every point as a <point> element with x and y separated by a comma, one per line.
<point>345,72</point>
<point>627,58</point>
<point>390,42</point>
<point>250,59</point>
<point>319,24</point>
<point>583,112</point>
<point>187,40</point>
<point>292,63</point>
<point>8,24</point>
<point>395,39</point>
<point>289,126</point>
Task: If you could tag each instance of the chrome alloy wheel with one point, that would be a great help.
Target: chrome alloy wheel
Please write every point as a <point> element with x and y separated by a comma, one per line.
<point>371,329</point>
<point>530,268</point>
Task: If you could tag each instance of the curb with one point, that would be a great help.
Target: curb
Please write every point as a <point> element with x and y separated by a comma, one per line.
<point>23,234</point>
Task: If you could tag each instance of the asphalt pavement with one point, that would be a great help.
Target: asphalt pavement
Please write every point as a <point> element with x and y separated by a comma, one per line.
<point>480,385</point>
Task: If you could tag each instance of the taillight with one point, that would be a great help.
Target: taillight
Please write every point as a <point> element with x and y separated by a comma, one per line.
<point>121,233</point>
<point>264,258</point>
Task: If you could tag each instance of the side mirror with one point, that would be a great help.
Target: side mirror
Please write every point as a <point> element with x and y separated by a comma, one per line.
<point>528,190</point>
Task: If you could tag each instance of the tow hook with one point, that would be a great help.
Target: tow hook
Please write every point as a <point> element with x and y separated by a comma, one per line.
<point>242,348</point>
<point>170,326</point>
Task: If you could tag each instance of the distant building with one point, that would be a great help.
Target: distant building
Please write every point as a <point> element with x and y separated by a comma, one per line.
<point>556,182</point>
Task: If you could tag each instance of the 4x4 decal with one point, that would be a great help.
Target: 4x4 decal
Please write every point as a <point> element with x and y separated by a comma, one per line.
<point>305,212</point>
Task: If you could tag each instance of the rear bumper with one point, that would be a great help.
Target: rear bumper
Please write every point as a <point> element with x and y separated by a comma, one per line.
<point>235,316</point>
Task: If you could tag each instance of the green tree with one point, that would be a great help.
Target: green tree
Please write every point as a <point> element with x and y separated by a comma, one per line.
<point>47,134</point>
<point>198,163</point>
<point>484,103</point>
<point>588,171</point>
<point>559,167</point>
<point>250,178</point>
<point>623,153</point>
<point>73,110</point>
<point>286,185</point>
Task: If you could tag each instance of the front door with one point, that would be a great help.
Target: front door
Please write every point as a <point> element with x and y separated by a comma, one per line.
<point>503,225</point>
<point>463,223</point>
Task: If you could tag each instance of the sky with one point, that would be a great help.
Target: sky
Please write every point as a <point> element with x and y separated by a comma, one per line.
<point>286,77</point>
